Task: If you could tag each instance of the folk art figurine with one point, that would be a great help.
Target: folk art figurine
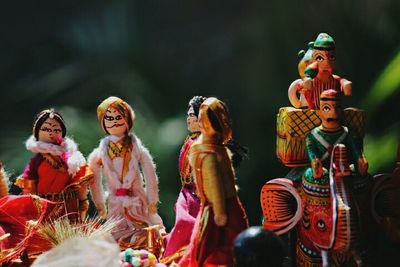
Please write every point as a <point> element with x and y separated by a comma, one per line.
<point>58,171</point>
<point>124,161</point>
<point>222,216</point>
<point>325,204</point>
<point>188,204</point>
<point>316,72</point>
<point>328,197</point>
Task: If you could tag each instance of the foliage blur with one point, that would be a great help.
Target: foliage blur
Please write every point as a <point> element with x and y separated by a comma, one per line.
<point>158,54</point>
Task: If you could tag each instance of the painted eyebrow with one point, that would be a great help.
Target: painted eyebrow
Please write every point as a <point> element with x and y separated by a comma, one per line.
<point>319,54</point>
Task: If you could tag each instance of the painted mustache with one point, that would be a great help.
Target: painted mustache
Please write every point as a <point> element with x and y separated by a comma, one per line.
<point>115,125</point>
<point>331,119</point>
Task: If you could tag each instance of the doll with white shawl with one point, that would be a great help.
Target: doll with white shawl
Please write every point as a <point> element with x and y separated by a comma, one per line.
<point>124,162</point>
<point>58,171</point>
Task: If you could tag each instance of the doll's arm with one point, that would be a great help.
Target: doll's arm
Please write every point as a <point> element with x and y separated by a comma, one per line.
<point>346,86</point>
<point>96,187</point>
<point>213,188</point>
<point>360,161</point>
<point>149,171</point>
<point>295,88</point>
<point>28,180</point>
<point>83,202</point>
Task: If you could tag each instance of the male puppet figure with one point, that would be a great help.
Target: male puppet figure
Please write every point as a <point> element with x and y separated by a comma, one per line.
<point>322,139</point>
<point>319,75</point>
<point>126,164</point>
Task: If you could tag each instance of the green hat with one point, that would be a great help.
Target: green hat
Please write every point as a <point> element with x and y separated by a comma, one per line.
<point>324,42</point>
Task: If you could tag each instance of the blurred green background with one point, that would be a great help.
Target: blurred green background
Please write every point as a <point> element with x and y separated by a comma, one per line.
<point>158,54</point>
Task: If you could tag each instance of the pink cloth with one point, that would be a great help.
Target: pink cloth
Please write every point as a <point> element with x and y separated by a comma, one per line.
<point>187,207</point>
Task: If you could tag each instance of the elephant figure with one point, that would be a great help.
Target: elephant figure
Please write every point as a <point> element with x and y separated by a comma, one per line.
<point>325,213</point>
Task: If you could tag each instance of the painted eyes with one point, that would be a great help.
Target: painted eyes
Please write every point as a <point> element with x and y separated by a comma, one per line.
<point>45,129</point>
<point>111,118</point>
<point>326,109</point>
<point>321,58</point>
<point>321,225</point>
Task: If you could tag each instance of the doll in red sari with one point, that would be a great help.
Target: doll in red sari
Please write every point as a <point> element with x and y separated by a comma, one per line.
<point>58,171</point>
<point>221,217</point>
<point>188,204</point>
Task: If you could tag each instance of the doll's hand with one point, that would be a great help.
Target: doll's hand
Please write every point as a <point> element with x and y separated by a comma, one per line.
<point>152,208</point>
<point>102,211</point>
<point>362,166</point>
<point>316,166</point>
<point>346,87</point>
<point>220,220</point>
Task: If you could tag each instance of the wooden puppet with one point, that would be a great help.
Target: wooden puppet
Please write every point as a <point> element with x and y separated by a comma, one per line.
<point>58,171</point>
<point>325,205</point>
<point>222,216</point>
<point>124,162</point>
<point>188,204</point>
<point>318,75</point>
<point>320,141</point>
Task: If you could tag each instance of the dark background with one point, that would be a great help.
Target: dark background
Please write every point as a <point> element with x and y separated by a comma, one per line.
<point>158,54</point>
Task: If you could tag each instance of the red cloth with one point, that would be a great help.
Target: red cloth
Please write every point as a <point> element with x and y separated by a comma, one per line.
<point>15,213</point>
<point>211,245</point>
<point>318,87</point>
<point>51,180</point>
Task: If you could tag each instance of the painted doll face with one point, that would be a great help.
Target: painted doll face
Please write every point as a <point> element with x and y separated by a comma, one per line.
<point>114,122</point>
<point>192,121</point>
<point>50,131</point>
<point>326,60</point>
<point>329,114</point>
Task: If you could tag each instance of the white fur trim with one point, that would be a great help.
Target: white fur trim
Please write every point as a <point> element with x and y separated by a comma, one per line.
<point>96,188</point>
<point>140,167</point>
<point>75,160</point>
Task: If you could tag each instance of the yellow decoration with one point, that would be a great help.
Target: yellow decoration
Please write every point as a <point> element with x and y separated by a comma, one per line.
<point>292,126</point>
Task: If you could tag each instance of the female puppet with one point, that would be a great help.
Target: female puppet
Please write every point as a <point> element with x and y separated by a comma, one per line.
<point>188,203</point>
<point>58,171</point>
<point>124,161</point>
<point>222,216</point>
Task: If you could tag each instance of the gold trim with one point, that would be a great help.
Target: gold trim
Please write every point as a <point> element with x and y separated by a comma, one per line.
<point>178,254</point>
